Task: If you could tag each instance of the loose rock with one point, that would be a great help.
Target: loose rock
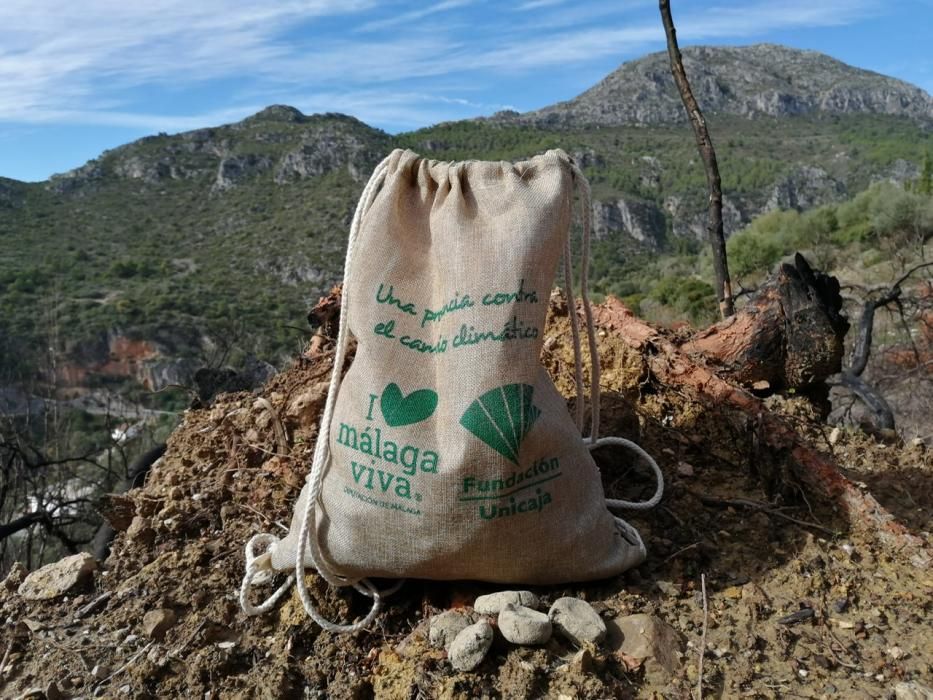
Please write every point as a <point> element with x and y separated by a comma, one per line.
<point>446,626</point>
<point>470,646</point>
<point>140,529</point>
<point>493,603</point>
<point>581,663</point>
<point>577,621</point>
<point>58,578</point>
<point>649,640</point>
<point>15,578</point>
<point>521,625</point>
<point>913,690</point>
<point>157,622</point>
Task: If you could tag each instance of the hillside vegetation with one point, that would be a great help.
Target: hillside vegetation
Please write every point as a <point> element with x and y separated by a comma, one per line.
<point>210,245</point>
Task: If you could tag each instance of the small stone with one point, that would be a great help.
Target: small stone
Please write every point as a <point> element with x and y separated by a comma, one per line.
<point>834,436</point>
<point>734,592</point>
<point>100,671</point>
<point>840,605</point>
<point>582,662</point>
<point>649,639</point>
<point>577,621</point>
<point>32,625</point>
<point>446,626</point>
<point>57,579</point>
<point>157,622</point>
<point>494,602</point>
<point>140,529</point>
<point>306,407</point>
<point>470,646</point>
<point>521,625</point>
<point>912,690</point>
<point>897,653</point>
<point>15,578</point>
<point>668,588</point>
<point>685,469</point>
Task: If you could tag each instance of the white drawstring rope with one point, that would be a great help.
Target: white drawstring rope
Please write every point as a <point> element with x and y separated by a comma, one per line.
<point>315,478</point>
<point>575,334</point>
<point>594,441</point>
<point>254,565</point>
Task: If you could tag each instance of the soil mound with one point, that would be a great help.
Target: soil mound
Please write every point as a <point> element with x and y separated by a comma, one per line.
<point>796,607</point>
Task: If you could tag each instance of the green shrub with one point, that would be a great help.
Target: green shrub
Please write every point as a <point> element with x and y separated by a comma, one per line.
<point>688,295</point>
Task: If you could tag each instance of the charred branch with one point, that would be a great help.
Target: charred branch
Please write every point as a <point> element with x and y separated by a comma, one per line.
<point>714,229</point>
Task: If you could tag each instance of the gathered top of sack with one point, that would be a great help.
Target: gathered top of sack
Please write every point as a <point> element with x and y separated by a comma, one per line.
<point>446,452</point>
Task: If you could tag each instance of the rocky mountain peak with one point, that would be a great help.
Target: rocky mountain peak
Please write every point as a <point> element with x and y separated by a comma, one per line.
<point>749,81</point>
<point>278,113</point>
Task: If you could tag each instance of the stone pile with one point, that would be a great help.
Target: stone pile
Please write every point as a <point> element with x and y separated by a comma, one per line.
<point>467,635</point>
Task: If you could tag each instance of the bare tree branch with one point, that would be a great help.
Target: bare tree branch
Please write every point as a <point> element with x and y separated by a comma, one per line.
<point>714,229</point>
<point>851,378</point>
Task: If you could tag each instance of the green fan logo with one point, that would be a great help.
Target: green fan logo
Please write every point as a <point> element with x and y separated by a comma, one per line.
<point>502,417</point>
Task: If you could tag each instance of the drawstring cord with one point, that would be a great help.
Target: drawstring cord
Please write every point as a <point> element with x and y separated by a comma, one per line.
<point>315,479</point>
<point>594,441</point>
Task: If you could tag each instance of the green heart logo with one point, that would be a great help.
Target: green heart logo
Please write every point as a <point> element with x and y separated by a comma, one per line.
<point>405,410</point>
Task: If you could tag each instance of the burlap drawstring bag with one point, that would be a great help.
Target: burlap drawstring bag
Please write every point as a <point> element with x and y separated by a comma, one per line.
<point>446,452</point>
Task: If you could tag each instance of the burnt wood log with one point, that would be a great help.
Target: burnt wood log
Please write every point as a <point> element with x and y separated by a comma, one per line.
<point>790,335</point>
<point>675,369</point>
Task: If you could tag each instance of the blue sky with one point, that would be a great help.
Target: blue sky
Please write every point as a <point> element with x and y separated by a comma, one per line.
<point>80,76</point>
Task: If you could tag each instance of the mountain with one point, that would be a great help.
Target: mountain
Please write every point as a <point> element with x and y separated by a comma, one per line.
<point>198,248</point>
<point>748,81</point>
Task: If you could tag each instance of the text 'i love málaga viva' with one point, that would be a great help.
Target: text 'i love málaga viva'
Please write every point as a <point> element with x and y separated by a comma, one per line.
<point>383,450</point>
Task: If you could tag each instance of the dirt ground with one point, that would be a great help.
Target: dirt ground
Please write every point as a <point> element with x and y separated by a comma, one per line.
<point>865,625</point>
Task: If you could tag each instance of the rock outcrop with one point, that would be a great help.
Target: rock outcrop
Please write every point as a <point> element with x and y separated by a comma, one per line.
<point>639,219</point>
<point>747,81</point>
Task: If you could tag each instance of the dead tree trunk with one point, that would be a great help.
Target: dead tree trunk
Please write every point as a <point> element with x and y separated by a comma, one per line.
<point>714,228</point>
<point>789,335</point>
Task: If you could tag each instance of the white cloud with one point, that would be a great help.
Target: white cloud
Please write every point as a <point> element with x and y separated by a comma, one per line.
<point>711,23</point>
<point>59,54</point>
<point>538,4</point>
<point>404,18</point>
<point>94,61</point>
